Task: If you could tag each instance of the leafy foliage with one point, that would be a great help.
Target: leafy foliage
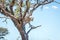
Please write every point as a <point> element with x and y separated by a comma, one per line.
<point>3,31</point>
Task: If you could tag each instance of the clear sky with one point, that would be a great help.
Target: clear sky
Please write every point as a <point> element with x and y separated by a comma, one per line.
<point>49,18</point>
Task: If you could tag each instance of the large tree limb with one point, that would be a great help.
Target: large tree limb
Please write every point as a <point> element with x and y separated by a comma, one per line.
<point>10,15</point>
<point>6,13</point>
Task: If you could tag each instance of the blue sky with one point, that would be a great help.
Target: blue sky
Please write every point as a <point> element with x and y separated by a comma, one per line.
<point>49,18</point>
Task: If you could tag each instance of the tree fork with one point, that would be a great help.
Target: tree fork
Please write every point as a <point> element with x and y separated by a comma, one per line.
<point>23,33</point>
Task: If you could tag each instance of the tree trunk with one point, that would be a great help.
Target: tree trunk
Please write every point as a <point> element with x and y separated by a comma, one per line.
<point>22,32</point>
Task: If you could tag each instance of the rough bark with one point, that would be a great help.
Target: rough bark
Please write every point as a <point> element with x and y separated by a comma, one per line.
<point>22,32</point>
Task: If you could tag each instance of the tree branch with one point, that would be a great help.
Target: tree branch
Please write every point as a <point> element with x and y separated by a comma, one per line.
<point>39,4</point>
<point>57,2</point>
<point>6,13</point>
<point>27,8</point>
<point>32,27</point>
<point>9,15</point>
<point>15,21</point>
<point>11,6</point>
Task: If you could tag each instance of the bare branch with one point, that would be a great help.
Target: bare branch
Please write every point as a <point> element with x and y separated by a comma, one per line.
<point>29,31</point>
<point>57,2</point>
<point>11,6</point>
<point>32,27</point>
<point>27,8</point>
<point>39,4</point>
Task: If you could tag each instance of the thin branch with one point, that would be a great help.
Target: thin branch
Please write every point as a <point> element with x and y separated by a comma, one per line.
<point>11,6</point>
<point>27,8</point>
<point>29,31</point>
<point>32,27</point>
<point>57,2</point>
<point>43,3</point>
<point>35,6</point>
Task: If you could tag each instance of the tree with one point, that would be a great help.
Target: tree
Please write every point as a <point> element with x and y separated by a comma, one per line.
<point>22,13</point>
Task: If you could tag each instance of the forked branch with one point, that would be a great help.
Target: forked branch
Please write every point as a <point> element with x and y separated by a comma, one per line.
<point>32,27</point>
<point>6,13</point>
